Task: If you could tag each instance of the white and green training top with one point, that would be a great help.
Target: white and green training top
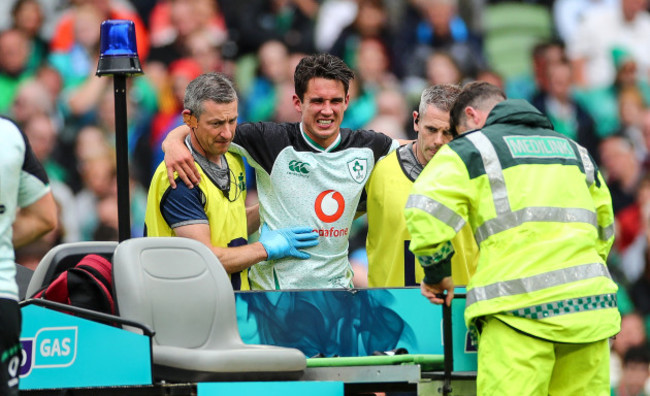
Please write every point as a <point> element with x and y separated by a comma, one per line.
<point>23,181</point>
<point>300,183</point>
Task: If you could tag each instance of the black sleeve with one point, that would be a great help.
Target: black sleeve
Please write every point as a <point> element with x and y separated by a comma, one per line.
<point>263,141</point>
<point>378,142</point>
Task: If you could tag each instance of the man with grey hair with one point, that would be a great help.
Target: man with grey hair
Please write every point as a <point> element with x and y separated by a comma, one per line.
<point>390,263</point>
<point>214,213</point>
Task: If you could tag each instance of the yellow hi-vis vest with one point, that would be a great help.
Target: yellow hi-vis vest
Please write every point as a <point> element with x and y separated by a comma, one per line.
<point>542,217</point>
<point>390,262</point>
<point>227,220</point>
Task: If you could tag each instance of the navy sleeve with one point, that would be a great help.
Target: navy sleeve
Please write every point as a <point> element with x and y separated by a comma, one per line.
<point>183,206</point>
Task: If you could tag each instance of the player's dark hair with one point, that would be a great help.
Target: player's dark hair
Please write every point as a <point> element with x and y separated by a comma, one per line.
<point>324,66</point>
<point>478,94</point>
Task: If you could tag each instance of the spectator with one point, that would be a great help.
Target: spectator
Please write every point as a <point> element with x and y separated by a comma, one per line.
<point>628,25</point>
<point>639,291</point>
<point>285,111</point>
<point>645,132</point>
<point>27,17</point>
<point>173,24</point>
<point>435,25</point>
<point>31,99</point>
<point>603,102</point>
<point>208,54</point>
<point>51,80</point>
<point>79,59</point>
<point>636,372</point>
<point>14,59</point>
<point>168,21</point>
<point>98,176</point>
<point>630,109</point>
<point>65,34</point>
<point>632,335</point>
<point>443,69</point>
<point>362,107</point>
<point>568,117</point>
<point>138,129</point>
<point>621,169</point>
<point>77,65</point>
<point>632,234</point>
<point>392,115</point>
<point>569,14</point>
<point>440,68</point>
<point>373,66</point>
<point>544,55</point>
<point>41,131</point>
<point>260,103</point>
<point>371,22</point>
<point>333,16</point>
<point>491,76</point>
<point>290,21</point>
<point>181,72</point>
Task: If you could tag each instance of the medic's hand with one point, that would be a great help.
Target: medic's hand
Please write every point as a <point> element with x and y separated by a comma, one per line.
<point>179,159</point>
<point>286,241</point>
<point>434,292</point>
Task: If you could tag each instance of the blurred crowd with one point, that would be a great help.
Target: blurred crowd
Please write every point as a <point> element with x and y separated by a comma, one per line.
<point>584,63</point>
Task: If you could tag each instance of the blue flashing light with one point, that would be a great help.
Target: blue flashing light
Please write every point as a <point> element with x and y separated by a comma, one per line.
<point>118,38</point>
<point>118,52</point>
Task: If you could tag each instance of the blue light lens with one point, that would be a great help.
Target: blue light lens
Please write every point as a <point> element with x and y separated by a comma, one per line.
<point>118,38</point>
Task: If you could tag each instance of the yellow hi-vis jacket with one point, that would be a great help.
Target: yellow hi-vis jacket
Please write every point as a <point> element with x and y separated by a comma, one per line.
<point>542,218</point>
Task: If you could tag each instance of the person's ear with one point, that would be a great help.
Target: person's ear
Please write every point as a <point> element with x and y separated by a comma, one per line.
<point>416,120</point>
<point>472,117</point>
<point>189,119</point>
<point>297,103</point>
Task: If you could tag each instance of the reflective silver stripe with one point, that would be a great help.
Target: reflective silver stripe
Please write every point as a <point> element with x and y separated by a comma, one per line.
<point>587,165</point>
<point>514,219</point>
<point>604,233</point>
<point>493,170</point>
<point>437,210</point>
<point>536,282</point>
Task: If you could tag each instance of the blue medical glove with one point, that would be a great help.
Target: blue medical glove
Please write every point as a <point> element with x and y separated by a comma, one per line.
<point>286,241</point>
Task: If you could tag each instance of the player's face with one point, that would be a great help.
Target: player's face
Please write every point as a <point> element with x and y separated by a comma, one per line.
<point>215,129</point>
<point>433,132</point>
<point>322,109</point>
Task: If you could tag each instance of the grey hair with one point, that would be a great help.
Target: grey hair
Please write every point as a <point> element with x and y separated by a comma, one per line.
<point>440,96</point>
<point>216,87</point>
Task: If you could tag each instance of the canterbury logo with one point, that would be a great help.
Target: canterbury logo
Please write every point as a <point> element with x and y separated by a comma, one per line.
<point>300,167</point>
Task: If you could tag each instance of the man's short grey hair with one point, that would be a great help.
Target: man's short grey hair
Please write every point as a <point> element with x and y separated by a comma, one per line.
<point>440,96</point>
<point>216,87</point>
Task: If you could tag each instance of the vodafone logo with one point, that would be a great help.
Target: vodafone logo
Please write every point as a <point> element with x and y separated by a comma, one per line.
<point>329,206</point>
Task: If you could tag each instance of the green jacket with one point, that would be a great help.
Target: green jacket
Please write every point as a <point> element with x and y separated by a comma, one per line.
<point>541,215</point>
